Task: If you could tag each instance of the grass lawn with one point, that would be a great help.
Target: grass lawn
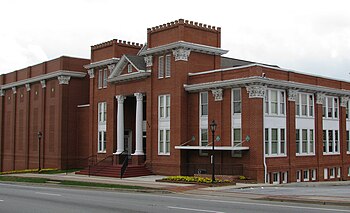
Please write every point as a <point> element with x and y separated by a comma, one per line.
<point>69,183</point>
<point>60,171</point>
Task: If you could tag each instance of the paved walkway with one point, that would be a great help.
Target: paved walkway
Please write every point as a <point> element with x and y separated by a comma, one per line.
<point>312,192</point>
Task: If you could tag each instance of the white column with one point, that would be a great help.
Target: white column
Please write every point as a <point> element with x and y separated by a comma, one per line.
<point>139,118</point>
<point>120,124</point>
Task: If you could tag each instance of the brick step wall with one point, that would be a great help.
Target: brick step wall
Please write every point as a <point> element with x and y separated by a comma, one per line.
<point>114,171</point>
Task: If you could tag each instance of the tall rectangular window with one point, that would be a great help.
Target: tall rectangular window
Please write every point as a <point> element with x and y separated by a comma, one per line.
<point>161,141</point>
<point>105,76</point>
<point>164,106</point>
<point>325,141</point>
<point>129,68</point>
<point>297,105</point>
<point>274,141</point>
<point>348,141</point>
<point>237,139</point>
<point>167,65</point>
<point>274,102</point>
<point>204,137</point>
<point>331,142</point>
<point>282,104</point>
<point>312,143</point>
<point>167,106</point>
<point>303,104</point>
<point>305,141</point>
<point>100,79</point>
<point>311,105</point>
<point>164,142</point>
<point>167,141</point>
<point>267,151</point>
<point>161,106</point>
<point>204,103</point>
<point>297,140</point>
<point>161,67</point>
<point>330,107</point>
<point>283,141</point>
<point>102,112</point>
<point>236,97</point>
<point>267,109</point>
<point>102,141</point>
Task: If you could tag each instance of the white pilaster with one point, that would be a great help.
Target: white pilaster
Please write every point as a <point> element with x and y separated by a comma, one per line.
<point>139,118</point>
<point>120,124</point>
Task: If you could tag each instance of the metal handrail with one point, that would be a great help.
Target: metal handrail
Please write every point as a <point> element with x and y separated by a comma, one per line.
<point>125,165</point>
<point>99,162</point>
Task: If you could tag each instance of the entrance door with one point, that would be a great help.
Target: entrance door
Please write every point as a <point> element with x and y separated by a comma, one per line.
<point>128,142</point>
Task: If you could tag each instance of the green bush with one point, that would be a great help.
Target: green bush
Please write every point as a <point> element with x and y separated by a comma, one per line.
<point>192,179</point>
<point>242,177</point>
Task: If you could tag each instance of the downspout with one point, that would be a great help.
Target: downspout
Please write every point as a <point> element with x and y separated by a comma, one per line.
<point>263,141</point>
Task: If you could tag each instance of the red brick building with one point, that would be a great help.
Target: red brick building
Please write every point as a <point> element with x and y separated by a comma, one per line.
<point>156,102</point>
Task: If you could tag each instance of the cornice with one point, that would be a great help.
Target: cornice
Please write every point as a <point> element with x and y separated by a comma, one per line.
<point>130,77</point>
<point>39,78</point>
<point>265,81</point>
<point>102,63</point>
<point>186,45</point>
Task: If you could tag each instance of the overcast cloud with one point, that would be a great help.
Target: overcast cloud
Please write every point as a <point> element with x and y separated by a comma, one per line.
<point>306,36</point>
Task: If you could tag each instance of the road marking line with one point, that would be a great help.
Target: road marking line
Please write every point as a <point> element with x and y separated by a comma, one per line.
<point>262,204</point>
<point>196,210</point>
<point>43,193</point>
<point>1,200</point>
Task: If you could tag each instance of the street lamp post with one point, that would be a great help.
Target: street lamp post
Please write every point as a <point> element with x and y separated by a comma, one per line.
<point>213,128</point>
<point>40,135</point>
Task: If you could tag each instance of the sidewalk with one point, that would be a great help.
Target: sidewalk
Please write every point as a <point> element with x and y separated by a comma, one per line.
<point>336,193</point>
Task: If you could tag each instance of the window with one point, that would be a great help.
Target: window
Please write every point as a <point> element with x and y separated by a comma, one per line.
<point>313,174</point>
<point>100,79</point>
<point>204,137</point>
<point>298,176</point>
<point>332,173</point>
<point>237,139</point>
<point>204,103</point>
<point>349,171</point>
<point>161,67</point>
<point>236,100</point>
<point>304,105</point>
<point>129,68</point>
<point>164,106</point>
<point>167,65</point>
<point>297,140</point>
<point>102,112</point>
<point>311,141</point>
<point>164,142</point>
<point>330,107</point>
<point>348,141</point>
<point>325,173</point>
<point>275,144</point>
<point>275,102</point>
<point>347,110</point>
<point>102,141</point>
<point>306,175</point>
<point>338,172</point>
<point>305,141</point>
<point>331,142</point>
<point>276,178</point>
<point>105,76</point>
<point>285,177</point>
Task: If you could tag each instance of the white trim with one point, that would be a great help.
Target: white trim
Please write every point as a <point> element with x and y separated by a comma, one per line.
<point>264,81</point>
<point>83,105</point>
<point>130,77</point>
<point>220,148</point>
<point>39,78</point>
<point>186,45</point>
<point>102,63</point>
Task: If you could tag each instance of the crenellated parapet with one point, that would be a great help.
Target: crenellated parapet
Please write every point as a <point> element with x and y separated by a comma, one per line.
<point>118,42</point>
<point>186,23</point>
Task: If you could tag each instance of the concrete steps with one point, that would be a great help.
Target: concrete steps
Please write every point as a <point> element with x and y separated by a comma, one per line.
<point>114,171</point>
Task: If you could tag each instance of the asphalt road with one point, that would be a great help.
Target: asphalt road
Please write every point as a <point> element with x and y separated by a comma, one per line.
<point>23,198</point>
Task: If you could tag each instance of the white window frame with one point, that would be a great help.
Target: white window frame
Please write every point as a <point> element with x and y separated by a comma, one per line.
<point>100,78</point>
<point>268,151</point>
<point>284,177</point>
<point>275,178</point>
<point>313,174</point>
<point>236,101</point>
<point>332,173</point>
<point>310,142</point>
<point>281,104</point>
<point>167,66</point>
<point>201,140</point>
<point>331,102</point>
<point>298,175</point>
<point>102,141</point>
<point>163,148</point>
<point>129,68</point>
<point>334,142</point>
<point>348,141</point>
<point>325,173</point>
<point>338,172</point>
<point>164,106</point>
<point>201,104</point>
<point>306,175</point>
<point>105,77</point>
<point>102,112</point>
<point>235,142</point>
<point>348,171</point>
<point>160,67</point>
<point>310,105</point>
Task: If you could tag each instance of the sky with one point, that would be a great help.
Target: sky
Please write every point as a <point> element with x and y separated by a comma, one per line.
<point>306,36</point>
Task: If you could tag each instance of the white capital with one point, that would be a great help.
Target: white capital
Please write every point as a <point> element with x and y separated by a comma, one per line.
<point>256,91</point>
<point>91,73</point>
<point>63,79</point>
<point>181,54</point>
<point>320,98</point>
<point>28,87</point>
<point>344,101</point>
<point>217,93</point>
<point>292,94</point>
<point>14,90</point>
<point>43,83</point>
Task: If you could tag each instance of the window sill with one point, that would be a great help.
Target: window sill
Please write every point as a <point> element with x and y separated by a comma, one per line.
<point>275,156</point>
<point>305,155</point>
<point>275,116</point>
<point>164,154</point>
<point>101,152</point>
<point>330,119</point>
<point>304,117</point>
<point>348,152</point>
<point>336,153</point>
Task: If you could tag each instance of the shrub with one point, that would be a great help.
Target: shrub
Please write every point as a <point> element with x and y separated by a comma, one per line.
<point>27,171</point>
<point>242,177</point>
<point>191,179</point>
